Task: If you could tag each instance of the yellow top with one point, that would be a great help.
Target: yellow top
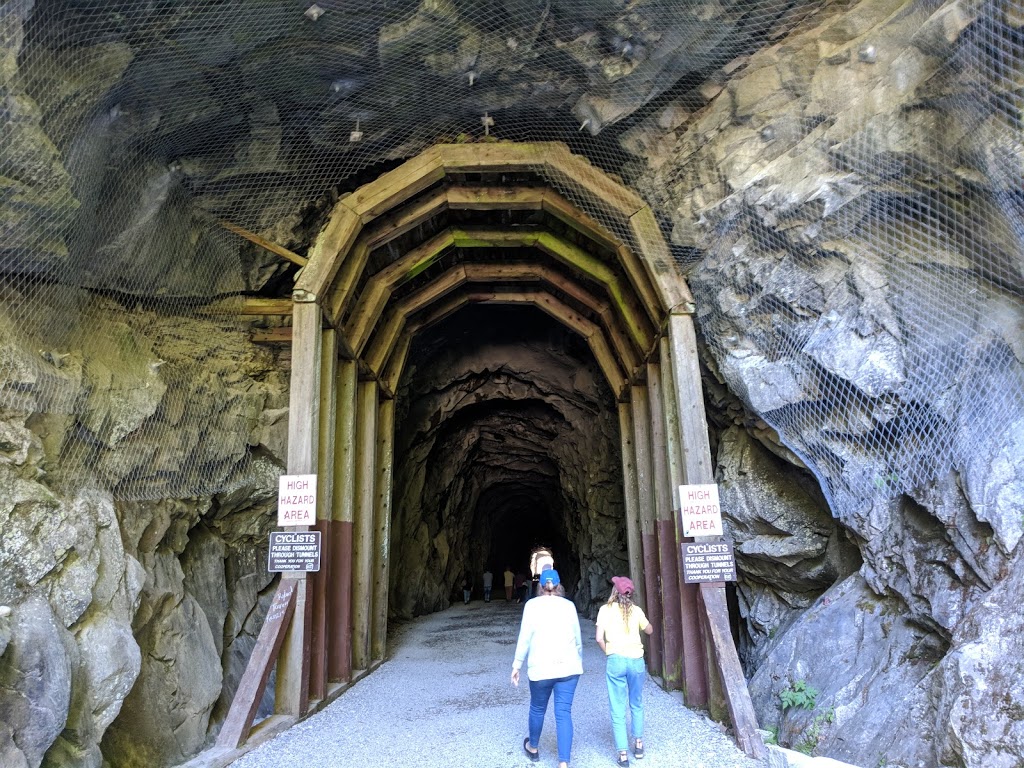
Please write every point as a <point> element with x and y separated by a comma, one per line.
<point>621,638</point>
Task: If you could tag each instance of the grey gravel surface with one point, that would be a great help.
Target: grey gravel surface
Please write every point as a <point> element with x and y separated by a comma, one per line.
<point>443,698</point>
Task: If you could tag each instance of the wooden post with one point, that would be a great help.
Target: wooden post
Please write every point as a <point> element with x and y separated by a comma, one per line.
<point>322,582</point>
<point>254,680</point>
<point>648,534</point>
<point>697,469</point>
<point>382,529</point>
<point>668,560</point>
<point>339,657</point>
<point>634,547</point>
<point>695,673</point>
<point>362,543</point>
<point>292,692</point>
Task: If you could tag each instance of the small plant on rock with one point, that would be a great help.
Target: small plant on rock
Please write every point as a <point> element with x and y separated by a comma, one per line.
<point>799,694</point>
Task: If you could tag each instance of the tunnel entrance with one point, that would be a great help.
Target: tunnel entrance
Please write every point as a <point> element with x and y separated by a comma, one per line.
<point>402,331</point>
<point>506,439</point>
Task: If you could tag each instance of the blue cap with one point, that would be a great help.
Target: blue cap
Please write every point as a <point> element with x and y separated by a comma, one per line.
<point>549,578</point>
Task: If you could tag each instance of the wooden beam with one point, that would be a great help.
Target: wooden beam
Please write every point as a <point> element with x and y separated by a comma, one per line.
<point>387,333</point>
<point>601,191</point>
<point>282,334</point>
<point>339,656</point>
<point>322,581</point>
<point>668,557</point>
<point>329,250</point>
<point>395,187</point>
<point>382,529</point>
<point>408,217</point>
<point>378,289</point>
<point>675,293</point>
<point>730,672</point>
<point>496,198</point>
<point>292,694</point>
<point>695,677</point>
<point>648,531</point>
<point>698,469</point>
<point>634,545</point>
<point>249,306</point>
<point>249,693</point>
<point>363,533</point>
<point>500,157</point>
<point>262,242</point>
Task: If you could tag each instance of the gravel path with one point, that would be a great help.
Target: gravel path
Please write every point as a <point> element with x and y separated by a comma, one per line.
<point>443,698</point>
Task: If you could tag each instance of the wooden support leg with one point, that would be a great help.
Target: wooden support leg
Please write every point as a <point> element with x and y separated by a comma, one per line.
<point>363,532</point>
<point>697,469</point>
<point>668,560</point>
<point>645,496</point>
<point>634,546</point>
<point>695,670</point>
<point>321,582</point>
<point>382,529</point>
<point>339,657</point>
<point>292,692</point>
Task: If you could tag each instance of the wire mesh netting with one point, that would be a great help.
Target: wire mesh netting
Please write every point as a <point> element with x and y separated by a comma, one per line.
<point>841,183</point>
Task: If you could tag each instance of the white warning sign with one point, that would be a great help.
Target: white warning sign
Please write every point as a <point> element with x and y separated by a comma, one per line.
<point>296,500</point>
<point>699,508</point>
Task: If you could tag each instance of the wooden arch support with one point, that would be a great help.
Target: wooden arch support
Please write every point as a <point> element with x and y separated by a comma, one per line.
<point>629,356</point>
<point>378,288</point>
<point>643,300</point>
<point>392,345</point>
<point>553,162</point>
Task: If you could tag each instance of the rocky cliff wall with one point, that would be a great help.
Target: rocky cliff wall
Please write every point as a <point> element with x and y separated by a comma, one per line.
<point>127,624</point>
<point>856,264</point>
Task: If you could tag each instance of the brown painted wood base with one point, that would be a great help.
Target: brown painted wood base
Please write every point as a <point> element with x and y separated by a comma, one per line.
<point>339,648</point>
<point>653,608</point>
<point>320,583</point>
<point>668,563</point>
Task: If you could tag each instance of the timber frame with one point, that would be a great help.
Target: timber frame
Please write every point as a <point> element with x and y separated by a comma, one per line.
<point>397,256</point>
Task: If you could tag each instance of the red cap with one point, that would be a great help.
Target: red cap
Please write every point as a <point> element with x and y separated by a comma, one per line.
<point>623,584</point>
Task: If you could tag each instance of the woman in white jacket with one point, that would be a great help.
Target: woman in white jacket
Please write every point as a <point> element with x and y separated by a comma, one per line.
<point>550,643</point>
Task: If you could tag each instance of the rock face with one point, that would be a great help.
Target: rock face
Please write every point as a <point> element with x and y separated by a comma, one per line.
<point>505,442</point>
<point>119,617</point>
<point>828,191</point>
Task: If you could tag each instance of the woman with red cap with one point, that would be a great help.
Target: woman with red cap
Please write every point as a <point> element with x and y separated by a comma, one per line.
<point>619,624</point>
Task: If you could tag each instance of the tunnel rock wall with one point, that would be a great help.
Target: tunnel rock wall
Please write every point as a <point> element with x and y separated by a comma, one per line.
<point>513,442</point>
<point>855,261</point>
<point>127,624</point>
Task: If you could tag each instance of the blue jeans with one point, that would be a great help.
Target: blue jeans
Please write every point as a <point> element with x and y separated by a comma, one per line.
<point>626,683</point>
<point>540,691</point>
<point>487,594</point>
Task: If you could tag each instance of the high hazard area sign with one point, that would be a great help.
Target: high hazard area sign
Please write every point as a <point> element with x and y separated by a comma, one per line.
<point>296,500</point>
<point>698,505</point>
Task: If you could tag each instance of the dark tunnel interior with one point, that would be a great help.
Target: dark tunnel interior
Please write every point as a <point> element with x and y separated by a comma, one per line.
<point>506,438</point>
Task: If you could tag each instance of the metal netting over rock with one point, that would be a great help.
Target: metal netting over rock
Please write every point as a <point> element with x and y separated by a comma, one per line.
<point>841,182</point>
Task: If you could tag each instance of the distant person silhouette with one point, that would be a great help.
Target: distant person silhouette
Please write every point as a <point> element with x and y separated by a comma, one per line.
<point>510,579</point>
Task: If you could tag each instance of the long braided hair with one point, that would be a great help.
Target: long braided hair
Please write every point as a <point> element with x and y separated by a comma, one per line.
<point>624,601</point>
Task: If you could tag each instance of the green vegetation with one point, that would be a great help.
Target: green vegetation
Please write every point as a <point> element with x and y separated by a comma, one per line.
<point>810,738</point>
<point>799,694</point>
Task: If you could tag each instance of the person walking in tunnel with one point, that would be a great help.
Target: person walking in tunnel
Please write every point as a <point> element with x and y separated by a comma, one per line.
<point>619,624</point>
<point>488,583</point>
<point>509,581</point>
<point>550,643</point>
<point>467,587</point>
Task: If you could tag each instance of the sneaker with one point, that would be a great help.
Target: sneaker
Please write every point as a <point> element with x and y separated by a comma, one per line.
<point>638,749</point>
